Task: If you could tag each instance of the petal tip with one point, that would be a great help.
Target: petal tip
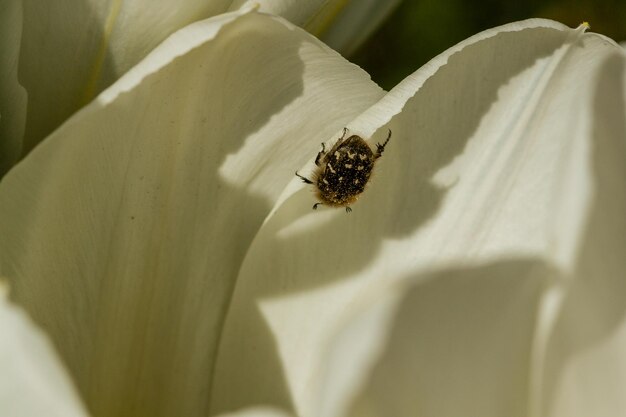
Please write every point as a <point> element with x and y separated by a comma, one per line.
<point>251,6</point>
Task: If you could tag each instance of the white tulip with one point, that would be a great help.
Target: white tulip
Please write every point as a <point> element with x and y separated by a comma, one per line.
<point>161,240</point>
<point>168,174</point>
<point>341,24</point>
<point>497,219</point>
<point>57,56</point>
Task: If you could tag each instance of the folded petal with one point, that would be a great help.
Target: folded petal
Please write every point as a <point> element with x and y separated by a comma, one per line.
<point>355,23</point>
<point>73,49</point>
<point>342,24</point>
<point>492,173</point>
<point>309,14</point>
<point>447,343</point>
<point>33,382</point>
<point>585,366</point>
<point>12,95</point>
<point>141,207</point>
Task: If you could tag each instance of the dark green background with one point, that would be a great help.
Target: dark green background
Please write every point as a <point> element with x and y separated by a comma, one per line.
<point>418,30</point>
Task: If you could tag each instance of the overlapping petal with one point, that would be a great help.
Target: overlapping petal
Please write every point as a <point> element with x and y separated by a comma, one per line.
<point>356,21</point>
<point>341,24</point>
<point>12,94</point>
<point>584,362</point>
<point>500,193</point>
<point>66,52</point>
<point>32,380</point>
<point>482,272</point>
<point>71,50</point>
<point>138,210</point>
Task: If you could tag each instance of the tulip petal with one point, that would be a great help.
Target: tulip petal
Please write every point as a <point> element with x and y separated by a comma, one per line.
<point>342,24</point>
<point>356,22</point>
<point>72,50</point>
<point>141,207</point>
<point>257,412</point>
<point>448,343</point>
<point>12,95</point>
<point>585,362</point>
<point>32,379</point>
<point>311,15</point>
<point>488,177</point>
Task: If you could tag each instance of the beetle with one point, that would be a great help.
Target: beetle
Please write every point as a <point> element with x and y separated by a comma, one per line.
<point>342,173</point>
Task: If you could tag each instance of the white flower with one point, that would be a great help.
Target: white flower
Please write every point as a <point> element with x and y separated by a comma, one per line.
<point>161,240</point>
<point>69,51</point>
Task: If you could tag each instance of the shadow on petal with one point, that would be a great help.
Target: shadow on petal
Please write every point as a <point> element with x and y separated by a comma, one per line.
<point>459,343</point>
<point>299,250</point>
<point>432,129</point>
<point>594,310</point>
<point>55,88</point>
<point>120,235</point>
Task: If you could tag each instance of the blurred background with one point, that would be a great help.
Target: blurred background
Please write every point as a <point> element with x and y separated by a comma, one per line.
<point>418,30</point>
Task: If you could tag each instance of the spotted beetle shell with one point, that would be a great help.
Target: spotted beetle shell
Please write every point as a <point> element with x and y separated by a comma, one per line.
<point>344,171</point>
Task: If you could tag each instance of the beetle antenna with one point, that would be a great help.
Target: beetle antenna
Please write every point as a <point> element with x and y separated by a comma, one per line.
<point>381,148</point>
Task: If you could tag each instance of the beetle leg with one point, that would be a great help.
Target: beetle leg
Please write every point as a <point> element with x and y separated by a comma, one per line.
<point>320,154</point>
<point>348,210</point>
<point>381,148</point>
<point>304,179</point>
